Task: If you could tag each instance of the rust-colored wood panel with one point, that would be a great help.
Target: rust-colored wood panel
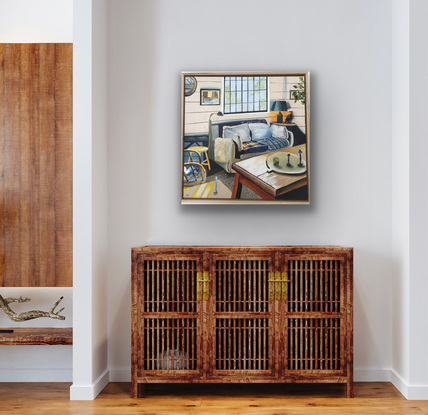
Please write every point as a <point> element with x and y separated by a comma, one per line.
<point>12,164</point>
<point>47,163</point>
<point>36,159</point>
<point>63,163</point>
<point>3,212</point>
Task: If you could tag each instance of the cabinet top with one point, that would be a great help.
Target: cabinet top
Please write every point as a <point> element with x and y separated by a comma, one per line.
<point>287,249</point>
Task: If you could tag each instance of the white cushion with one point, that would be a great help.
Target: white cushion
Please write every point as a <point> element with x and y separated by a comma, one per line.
<point>241,129</point>
<point>279,131</point>
<point>234,136</point>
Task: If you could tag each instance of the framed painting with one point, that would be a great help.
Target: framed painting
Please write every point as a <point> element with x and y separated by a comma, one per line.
<point>210,96</point>
<point>252,146</point>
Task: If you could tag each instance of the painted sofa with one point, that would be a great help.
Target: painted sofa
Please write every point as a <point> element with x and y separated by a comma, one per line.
<point>228,149</point>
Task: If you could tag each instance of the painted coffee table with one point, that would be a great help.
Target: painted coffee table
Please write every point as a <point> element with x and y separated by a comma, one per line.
<point>253,173</point>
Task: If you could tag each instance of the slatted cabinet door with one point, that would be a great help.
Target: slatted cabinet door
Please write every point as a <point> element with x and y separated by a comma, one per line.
<point>314,317</point>
<point>241,328</point>
<point>169,335</point>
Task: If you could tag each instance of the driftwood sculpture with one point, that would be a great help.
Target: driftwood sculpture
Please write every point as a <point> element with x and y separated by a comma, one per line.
<point>28,315</point>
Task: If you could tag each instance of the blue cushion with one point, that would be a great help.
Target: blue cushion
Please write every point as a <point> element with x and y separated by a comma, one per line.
<point>259,131</point>
<point>275,143</point>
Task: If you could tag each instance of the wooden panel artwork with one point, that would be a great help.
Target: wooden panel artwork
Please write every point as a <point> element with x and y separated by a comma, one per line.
<point>36,165</point>
<point>205,314</point>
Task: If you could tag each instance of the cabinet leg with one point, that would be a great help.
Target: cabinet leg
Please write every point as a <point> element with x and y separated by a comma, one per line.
<point>350,389</point>
<point>134,389</point>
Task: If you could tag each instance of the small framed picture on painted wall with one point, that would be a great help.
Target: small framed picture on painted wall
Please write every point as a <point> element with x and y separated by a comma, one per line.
<point>210,96</point>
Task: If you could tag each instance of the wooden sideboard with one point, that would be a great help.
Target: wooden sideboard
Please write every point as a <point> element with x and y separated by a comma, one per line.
<point>214,314</point>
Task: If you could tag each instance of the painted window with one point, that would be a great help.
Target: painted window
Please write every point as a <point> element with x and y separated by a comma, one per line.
<point>245,94</point>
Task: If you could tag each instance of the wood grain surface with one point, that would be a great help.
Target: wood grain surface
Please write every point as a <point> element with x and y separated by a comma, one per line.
<point>36,165</point>
<point>265,314</point>
<point>371,398</point>
<point>37,336</point>
<point>275,184</point>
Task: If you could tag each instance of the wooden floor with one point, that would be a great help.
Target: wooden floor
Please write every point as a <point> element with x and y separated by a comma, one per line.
<point>53,398</point>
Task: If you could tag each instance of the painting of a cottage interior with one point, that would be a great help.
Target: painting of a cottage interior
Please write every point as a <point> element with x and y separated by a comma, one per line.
<point>245,138</point>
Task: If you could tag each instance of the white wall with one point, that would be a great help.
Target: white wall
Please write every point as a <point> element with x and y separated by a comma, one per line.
<point>99,190</point>
<point>132,93</point>
<point>400,190</point>
<point>410,198</point>
<point>347,48</point>
<point>44,21</point>
<point>90,227</point>
<point>418,191</point>
<point>41,21</point>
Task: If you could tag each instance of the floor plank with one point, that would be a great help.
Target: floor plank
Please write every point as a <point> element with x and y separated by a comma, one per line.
<point>292,399</point>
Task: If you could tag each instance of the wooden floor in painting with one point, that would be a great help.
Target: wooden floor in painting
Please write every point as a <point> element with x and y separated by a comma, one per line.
<point>53,398</point>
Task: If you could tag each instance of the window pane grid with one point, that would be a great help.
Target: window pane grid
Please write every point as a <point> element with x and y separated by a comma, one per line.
<point>245,94</point>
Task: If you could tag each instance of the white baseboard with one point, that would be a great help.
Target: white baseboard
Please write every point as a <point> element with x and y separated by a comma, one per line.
<point>89,392</point>
<point>36,375</point>
<point>410,392</point>
<point>372,375</point>
<point>120,375</point>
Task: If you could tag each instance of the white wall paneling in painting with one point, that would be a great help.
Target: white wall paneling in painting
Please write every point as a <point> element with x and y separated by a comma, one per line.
<point>197,115</point>
<point>280,88</point>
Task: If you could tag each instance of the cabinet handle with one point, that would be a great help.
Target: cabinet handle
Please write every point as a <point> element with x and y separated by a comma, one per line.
<point>206,286</point>
<point>199,285</point>
<point>285,282</point>
<point>278,286</point>
<point>271,286</point>
<point>203,285</point>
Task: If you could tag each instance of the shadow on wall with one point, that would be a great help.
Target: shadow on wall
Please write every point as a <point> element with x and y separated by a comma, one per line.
<point>372,310</point>
<point>133,80</point>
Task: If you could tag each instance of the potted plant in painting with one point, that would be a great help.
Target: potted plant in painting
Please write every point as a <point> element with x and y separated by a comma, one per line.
<point>299,93</point>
